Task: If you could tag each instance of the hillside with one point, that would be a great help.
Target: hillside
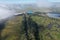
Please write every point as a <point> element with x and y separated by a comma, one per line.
<point>39,27</point>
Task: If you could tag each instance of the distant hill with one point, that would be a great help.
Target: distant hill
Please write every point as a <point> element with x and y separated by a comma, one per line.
<point>56,6</point>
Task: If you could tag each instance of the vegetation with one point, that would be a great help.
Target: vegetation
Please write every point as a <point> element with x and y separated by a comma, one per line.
<point>51,26</point>
<point>38,28</point>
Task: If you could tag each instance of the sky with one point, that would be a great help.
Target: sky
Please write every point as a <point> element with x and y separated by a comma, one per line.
<point>18,1</point>
<point>27,1</point>
<point>54,0</point>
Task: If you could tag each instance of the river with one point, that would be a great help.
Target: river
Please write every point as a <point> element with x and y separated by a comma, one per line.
<point>53,14</point>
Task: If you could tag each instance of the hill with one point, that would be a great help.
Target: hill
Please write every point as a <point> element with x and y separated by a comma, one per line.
<point>39,27</point>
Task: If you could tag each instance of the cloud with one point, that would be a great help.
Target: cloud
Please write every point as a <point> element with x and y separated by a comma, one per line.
<point>5,13</point>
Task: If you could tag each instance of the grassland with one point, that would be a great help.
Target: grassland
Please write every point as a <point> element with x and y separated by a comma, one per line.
<point>51,25</point>
<point>39,28</point>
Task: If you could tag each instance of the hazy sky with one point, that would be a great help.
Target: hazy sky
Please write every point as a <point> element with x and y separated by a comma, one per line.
<point>27,1</point>
<point>18,1</point>
<point>41,3</point>
<point>54,0</point>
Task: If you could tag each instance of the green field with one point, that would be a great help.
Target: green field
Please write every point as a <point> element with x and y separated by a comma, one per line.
<point>39,28</point>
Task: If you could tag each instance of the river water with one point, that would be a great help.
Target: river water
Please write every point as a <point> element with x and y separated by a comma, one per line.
<point>53,15</point>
